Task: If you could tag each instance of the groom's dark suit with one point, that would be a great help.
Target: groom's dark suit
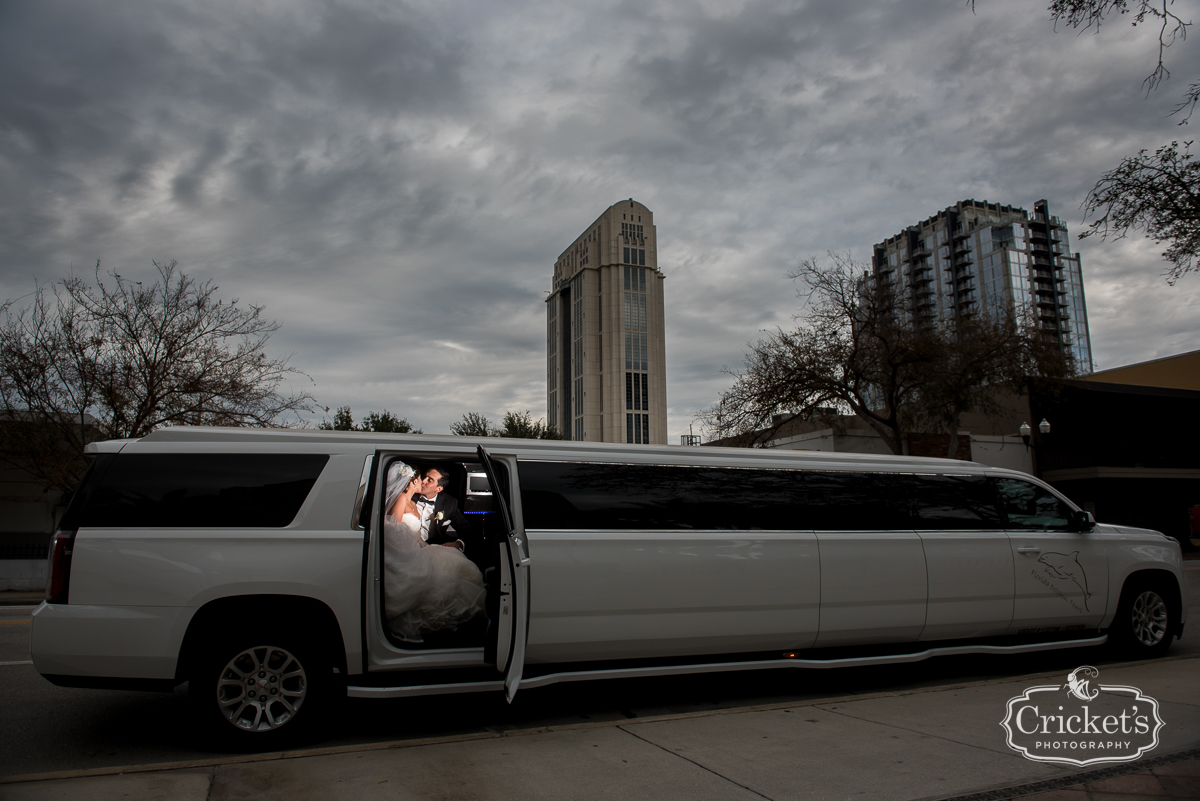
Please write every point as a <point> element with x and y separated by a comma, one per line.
<point>446,506</point>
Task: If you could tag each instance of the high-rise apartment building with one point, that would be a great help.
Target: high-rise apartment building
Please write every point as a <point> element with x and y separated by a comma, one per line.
<point>977,256</point>
<point>605,350</point>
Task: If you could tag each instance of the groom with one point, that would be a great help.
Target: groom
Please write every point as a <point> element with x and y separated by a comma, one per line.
<point>440,512</point>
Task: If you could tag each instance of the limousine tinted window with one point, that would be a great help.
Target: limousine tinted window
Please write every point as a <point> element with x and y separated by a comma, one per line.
<point>1032,507</point>
<point>559,495</point>
<point>201,490</point>
<point>952,502</point>
<point>847,501</point>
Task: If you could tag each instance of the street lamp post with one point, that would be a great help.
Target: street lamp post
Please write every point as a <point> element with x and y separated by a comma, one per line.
<point>1043,427</point>
<point>1026,432</point>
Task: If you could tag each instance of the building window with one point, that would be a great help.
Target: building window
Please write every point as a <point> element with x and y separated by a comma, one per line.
<point>629,391</point>
<point>637,429</point>
<point>635,311</point>
<point>636,346</point>
<point>645,393</point>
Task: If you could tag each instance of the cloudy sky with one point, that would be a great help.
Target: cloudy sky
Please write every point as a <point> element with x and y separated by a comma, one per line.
<point>394,181</point>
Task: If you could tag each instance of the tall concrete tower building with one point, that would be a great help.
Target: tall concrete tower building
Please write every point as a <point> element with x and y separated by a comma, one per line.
<point>606,376</point>
<point>977,257</point>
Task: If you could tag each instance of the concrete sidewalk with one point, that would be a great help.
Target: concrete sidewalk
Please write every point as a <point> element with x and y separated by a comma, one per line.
<point>930,743</point>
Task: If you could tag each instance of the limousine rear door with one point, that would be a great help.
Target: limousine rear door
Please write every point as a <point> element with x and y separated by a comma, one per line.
<point>874,583</point>
<point>512,620</point>
<point>967,555</point>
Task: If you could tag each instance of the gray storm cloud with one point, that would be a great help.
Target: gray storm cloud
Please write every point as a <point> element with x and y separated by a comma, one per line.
<point>394,181</point>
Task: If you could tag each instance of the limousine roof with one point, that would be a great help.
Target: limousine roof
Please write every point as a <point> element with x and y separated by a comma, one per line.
<point>448,446</point>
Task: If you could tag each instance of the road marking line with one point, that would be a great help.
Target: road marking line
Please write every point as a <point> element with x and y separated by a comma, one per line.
<point>14,622</point>
<point>26,662</point>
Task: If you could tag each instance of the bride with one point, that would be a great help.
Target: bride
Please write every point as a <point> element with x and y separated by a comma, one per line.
<point>426,587</point>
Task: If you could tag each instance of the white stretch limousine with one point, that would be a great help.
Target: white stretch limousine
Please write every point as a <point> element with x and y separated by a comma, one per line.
<point>251,563</point>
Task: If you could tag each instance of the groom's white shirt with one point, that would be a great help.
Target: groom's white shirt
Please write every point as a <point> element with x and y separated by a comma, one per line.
<point>426,510</point>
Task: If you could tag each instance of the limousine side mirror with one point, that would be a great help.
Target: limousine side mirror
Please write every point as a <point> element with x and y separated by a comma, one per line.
<point>1082,521</point>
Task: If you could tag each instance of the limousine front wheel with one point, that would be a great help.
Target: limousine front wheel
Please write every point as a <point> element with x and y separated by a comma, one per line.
<point>255,691</point>
<point>1144,626</point>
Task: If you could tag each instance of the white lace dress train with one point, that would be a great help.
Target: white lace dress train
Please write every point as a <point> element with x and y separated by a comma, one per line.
<point>426,587</point>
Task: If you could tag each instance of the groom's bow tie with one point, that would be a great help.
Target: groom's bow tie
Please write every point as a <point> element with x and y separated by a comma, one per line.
<point>423,499</point>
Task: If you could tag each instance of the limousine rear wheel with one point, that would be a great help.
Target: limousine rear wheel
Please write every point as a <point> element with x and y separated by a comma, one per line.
<point>1144,626</point>
<point>253,691</point>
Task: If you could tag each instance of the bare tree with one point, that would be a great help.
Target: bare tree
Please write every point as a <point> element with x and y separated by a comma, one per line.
<point>851,351</point>
<point>862,348</point>
<point>119,359</point>
<point>1158,194</point>
<point>1085,14</point>
<point>973,357</point>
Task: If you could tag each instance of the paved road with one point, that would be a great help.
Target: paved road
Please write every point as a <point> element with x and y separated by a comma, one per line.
<point>47,728</point>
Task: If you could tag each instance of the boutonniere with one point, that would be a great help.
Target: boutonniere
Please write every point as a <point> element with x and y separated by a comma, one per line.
<point>439,516</point>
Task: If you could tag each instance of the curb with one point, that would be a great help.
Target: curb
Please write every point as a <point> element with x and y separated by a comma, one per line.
<point>1084,777</point>
<point>272,756</point>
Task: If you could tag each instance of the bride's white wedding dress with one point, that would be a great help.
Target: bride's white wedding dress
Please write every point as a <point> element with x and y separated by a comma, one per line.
<point>426,587</point>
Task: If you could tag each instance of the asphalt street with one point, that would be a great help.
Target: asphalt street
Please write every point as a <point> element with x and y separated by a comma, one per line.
<point>46,728</point>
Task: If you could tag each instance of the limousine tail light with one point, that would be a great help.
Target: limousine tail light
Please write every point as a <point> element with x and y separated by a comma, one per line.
<point>58,584</point>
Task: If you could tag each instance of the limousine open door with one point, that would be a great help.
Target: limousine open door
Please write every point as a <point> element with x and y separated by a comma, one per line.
<point>512,619</point>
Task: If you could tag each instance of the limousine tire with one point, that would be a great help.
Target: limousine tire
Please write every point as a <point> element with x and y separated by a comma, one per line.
<point>1145,624</point>
<point>253,691</point>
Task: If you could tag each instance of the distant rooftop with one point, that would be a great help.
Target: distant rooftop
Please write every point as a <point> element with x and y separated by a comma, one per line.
<point>1181,371</point>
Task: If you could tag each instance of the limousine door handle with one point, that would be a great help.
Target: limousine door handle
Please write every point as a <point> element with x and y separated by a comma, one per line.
<point>1029,550</point>
<point>523,558</point>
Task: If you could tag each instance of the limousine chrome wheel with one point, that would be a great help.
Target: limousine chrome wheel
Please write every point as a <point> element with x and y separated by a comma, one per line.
<point>1149,619</point>
<point>1144,623</point>
<point>262,688</point>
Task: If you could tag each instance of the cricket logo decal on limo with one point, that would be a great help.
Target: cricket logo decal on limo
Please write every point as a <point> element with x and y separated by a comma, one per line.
<point>1066,567</point>
<point>1077,724</point>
